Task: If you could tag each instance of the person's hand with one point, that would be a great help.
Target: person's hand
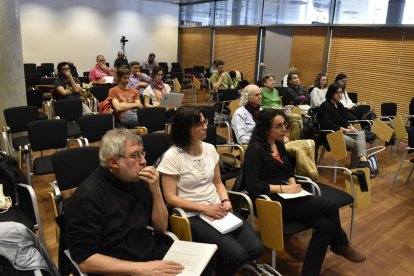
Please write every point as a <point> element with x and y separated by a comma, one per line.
<point>222,75</point>
<point>302,98</point>
<point>352,128</point>
<point>151,176</point>
<point>67,73</point>
<point>227,206</point>
<point>142,84</point>
<point>161,268</point>
<point>215,211</point>
<point>291,188</point>
<point>103,66</point>
<point>285,140</point>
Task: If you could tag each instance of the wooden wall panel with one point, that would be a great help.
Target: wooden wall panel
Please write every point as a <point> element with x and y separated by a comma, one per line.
<point>237,48</point>
<point>378,63</point>
<point>195,47</point>
<point>308,52</point>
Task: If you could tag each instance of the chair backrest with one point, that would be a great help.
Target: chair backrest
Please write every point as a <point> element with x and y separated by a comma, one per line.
<point>29,66</point>
<point>399,128</point>
<point>177,85</point>
<point>269,215</point>
<point>181,227</point>
<point>152,118</point>
<point>233,105</point>
<point>83,161</point>
<point>18,117</point>
<point>175,65</point>
<point>211,136</point>
<point>155,144</point>
<point>100,91</point>
<point>336,142</point>
<point>361,110</point>
<point>229,94</point>
<point>353,96</point>
<point>388,109</point>
<point>208,112</point>
<point>68,109</point>
<point>282,93</point>
<point>411,137</point>
<point>382,130</point>
<point>47,134</point>
<point>93,127</point>
<point>34,98</point>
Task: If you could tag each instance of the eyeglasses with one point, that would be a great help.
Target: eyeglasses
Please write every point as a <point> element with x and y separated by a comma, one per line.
<point>205,122</point>
<point>65,68</point>
<point>160,74</point>
<point>257,95</point>
<point>135,155</point>
<point>101,60</point>
<point>279,126</point>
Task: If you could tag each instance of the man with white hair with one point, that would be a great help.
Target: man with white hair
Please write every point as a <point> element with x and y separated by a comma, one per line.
<point>244,118</point>
<point>108,215</point>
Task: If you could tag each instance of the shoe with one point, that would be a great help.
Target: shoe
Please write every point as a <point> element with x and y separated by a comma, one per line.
<point>349,253</point>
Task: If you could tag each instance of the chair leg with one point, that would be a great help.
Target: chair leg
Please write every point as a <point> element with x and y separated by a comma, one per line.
<point>274,258</point>
<point>409,175</point>
<point>321,155</point>
<point>336,171</point>
<point>351,230</point>
<point>398,170</point>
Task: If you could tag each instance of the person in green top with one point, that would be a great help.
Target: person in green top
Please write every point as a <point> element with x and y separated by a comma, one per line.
<point>220,79</point>
<point>271,99</point>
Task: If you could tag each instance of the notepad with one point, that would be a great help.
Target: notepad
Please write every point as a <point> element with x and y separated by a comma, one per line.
<point>295,195</point>
<point>108,79</point>
<point>193,256</point>
<point>224,225</point>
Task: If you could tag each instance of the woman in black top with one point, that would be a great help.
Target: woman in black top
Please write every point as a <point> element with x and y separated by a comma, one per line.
<point>268,171</point>
<point>296,94</point>
<point>334,116</point>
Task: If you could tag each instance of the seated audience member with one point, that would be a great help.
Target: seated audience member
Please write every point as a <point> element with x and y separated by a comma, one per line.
<point>156,89</point>
<point>271,99</point>
<point>191,180</point>
<point>138,80</point>
<point>220,79</point>
<point>296,94</point>
<point>334,116</point>
<point>319,90</point>
<point>97,74</point>
<point>268,171</point>
<point>120,61</point>
<point>292,69</point>
<point>125,99</point>
<point>107,216</point>
<point>67,86</point>
<point>346,101</point>
<point>150,63</point>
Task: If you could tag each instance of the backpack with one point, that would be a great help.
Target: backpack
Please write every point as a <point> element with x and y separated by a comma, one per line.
<point>373,163</point>
<point>10,176</point>
<point>254,269</point>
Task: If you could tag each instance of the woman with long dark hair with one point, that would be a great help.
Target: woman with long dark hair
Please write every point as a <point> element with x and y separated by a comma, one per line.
<point>267,170</point>
<point>191,180</point>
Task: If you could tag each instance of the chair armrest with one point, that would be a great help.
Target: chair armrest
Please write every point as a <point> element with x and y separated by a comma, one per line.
<point>245,198</point>
<point>169,234</point>
<point>370,122</point>
<point>67,253</point>
<point>351,179</point>
<point>374,150</point>
<point>227,125</point>
<point>58,197</point>
<point>264,197</point>
<point>232,145</point>
<point>327,130</point>
<point>179,211</point>
<point>307,180</point>
<point>25,193</point>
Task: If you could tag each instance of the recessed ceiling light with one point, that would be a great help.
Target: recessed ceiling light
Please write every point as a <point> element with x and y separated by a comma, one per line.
<point>350,12</point>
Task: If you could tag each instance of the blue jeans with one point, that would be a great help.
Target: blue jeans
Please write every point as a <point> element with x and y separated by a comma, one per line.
<point>129,118</point>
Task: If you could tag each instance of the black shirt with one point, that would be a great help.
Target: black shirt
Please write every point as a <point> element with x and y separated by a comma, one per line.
<point>331,117</point>
<point>61,81</point>
<point>108,216</point>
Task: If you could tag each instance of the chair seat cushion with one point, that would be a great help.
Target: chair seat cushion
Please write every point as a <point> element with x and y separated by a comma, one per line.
<point>293,227</point>
<point>341,197</point>
<point>42,165</point>
<point>17,215</point>
<point>42,116</point>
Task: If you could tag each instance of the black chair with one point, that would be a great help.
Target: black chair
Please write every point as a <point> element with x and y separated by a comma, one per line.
<point>83,161</point>
<point>175,65</point>
<point>35,97</point>
<point>282,93</point>
<point>353,96</point>
<point>411,112</point>
<point>44,135</point>
<point>388,111</point>
<point>29,66</point>
<point>153,118</point>
<point>408,150</point>
<point>47,69</point>
<point>209,112</point>
<point>146,71</point>
<point>24,208</point>
<point>100,91</point>
<point>155,144</point>
<point>94,126</point>
<point>70,110</point>
<point>17,119</point>
<point>86,75</point>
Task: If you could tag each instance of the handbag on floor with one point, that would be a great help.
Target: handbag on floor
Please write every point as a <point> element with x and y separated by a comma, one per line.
<point>5,201</point>
<point>254,269</point>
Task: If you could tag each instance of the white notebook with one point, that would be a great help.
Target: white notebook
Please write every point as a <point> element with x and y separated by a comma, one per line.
<point>193,256</point>
<point>295,195</point>
<point>224,225</point>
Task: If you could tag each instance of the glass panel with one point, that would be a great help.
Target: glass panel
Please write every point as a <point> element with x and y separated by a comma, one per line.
<point>361,12</point>
<point>238,12</point>
<point>296,11</point>
<point>196,15</point>
<point>408,17</point>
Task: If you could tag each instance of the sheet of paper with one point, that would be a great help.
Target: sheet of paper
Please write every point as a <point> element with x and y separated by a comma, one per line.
<point>300,194</point>
<point>193,256</point>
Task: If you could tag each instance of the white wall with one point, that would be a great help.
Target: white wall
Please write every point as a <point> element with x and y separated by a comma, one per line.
<point>79,30</point>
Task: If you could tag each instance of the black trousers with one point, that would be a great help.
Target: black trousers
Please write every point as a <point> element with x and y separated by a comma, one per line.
<point>321,214</point>
<point>234,249</point>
